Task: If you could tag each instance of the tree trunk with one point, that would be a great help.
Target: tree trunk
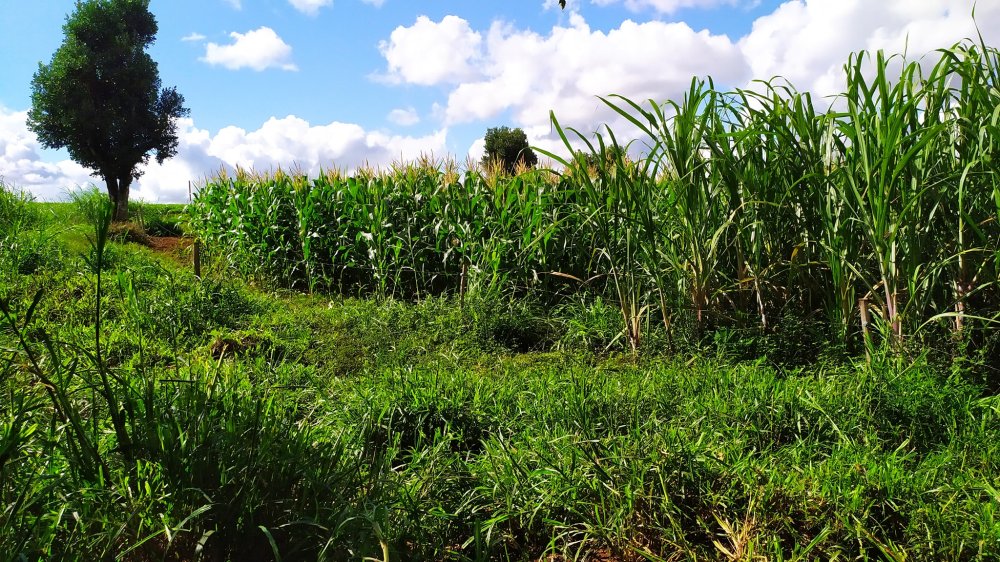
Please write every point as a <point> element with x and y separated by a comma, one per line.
<point>118,189</point>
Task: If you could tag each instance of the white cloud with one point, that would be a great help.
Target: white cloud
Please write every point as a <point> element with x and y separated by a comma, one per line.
<point>808,42</point>
<point>21,165</point>
<point>193,37</point>
<point>293,141</point>
<point>310,7</point>
<point>236,4</point>
<point>527,74</point>
<point>477,150</point>
<point>404,117</point>
<point>507,74</point>
<point>168,182</point>
<point>670,6</point>
<point>289,142</point>
<point>259,49</point>
<point>429,52</point>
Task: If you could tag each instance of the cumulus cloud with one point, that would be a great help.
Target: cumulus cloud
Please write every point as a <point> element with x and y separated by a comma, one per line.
<point>168,182</point>
<point>477,150</point>
<point>404,117</point>
<point>808,42</point>
<point>430,52</point>
<point>312,7</point>
<point>502,73</point>
<point>21,165</point>
<point>529,74</point>
<point>293,141</point>
<point>288,142</point>
<point>193,37</point>
<point>524,74</point>
<point>259,49</point>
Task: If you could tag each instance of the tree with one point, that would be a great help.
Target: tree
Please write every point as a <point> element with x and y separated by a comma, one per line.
<point>101,96</point>
<point>605,158</point>
<point>508,147</point>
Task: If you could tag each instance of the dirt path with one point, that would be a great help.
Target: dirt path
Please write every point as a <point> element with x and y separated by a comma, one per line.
<point>177,249</point>
<point>170,244</point>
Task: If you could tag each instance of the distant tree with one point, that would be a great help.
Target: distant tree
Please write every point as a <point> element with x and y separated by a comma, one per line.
<point>602,161</point>
<point>508,147</point>
<point>100,97</point>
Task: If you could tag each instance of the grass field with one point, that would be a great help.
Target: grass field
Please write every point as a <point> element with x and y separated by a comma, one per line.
<point>771,336</point>
<point>149,415</point>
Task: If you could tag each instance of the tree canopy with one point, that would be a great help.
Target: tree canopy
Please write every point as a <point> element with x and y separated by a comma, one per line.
<point>101,97</point>
<point>507,148</point>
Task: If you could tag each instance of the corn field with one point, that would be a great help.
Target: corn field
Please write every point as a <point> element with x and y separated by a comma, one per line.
<point>876,212</point>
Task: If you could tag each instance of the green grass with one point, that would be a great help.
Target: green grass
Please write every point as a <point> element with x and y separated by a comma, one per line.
<point>218,421</point>
<point>770,337</point>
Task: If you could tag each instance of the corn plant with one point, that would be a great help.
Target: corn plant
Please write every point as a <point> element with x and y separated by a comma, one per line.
<point>697,213</point>
<point>888,177</point>
<point>961,94</point>
<point>730,209</point>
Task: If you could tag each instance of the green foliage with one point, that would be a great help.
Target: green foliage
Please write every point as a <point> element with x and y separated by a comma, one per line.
<point>27,251</point>
<point>508,149</point>
<point>101,99</point>
<point>147,415</point>
<point>415,231</point>
<point>876,225</point>
<point>88,204</point>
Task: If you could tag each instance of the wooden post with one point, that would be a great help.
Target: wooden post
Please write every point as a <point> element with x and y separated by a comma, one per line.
<point>461,287</point>
<point>197,258</point>
<point>863,310</point>
<point>960,292</point>
<point>197,243</point>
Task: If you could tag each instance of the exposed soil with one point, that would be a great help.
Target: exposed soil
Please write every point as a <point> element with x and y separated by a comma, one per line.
<point>176,248</point>
<point>169,244</point>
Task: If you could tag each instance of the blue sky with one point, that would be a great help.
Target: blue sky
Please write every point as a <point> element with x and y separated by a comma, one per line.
<point>320,83</point>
